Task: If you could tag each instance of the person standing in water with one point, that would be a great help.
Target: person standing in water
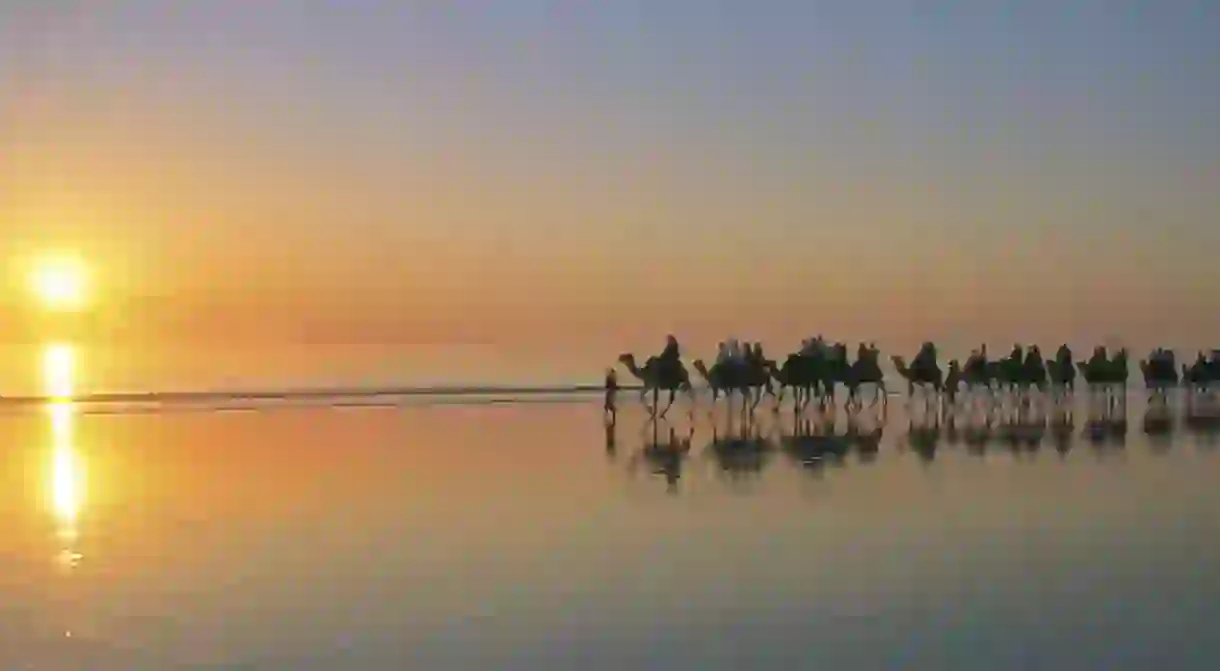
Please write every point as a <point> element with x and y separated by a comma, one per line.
<point>611,392</point>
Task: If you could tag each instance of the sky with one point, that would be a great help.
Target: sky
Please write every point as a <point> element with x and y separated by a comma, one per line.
<point>558,170</point>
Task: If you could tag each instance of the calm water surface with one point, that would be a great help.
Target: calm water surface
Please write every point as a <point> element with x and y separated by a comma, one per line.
<point>526,536</point>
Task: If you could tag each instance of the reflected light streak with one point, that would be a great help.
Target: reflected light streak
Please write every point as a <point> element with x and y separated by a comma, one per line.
<point>67,471</point>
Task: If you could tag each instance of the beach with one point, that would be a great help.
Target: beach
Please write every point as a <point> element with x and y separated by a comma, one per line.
<point>532,535</point>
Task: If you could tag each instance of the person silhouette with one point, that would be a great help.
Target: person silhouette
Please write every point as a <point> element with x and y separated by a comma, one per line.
<point>671,356</point>
<point>611,391</point>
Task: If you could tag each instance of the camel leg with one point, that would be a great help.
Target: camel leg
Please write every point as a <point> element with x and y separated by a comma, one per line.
<point>672,394</point>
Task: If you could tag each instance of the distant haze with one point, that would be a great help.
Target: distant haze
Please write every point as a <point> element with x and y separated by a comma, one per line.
<point>533,171</point>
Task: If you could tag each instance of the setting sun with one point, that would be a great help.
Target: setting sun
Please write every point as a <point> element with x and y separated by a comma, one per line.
<point>59,283</point>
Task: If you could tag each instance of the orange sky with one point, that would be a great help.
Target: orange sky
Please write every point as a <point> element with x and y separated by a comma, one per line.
<point>345,181</point>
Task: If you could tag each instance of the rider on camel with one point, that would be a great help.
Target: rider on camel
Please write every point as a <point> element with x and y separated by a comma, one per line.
<point>1033,358</point>
<point>1099,356</point>
<point>671,356</point>
<point>812,345</point>
<point>756,359</point>
<point>732,351</point>
<point>926,357</point>
<point>953,378</point>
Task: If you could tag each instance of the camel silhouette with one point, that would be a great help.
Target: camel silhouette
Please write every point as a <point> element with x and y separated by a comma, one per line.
<point>1160,371</point>
<point>656,378</point>
<point>1102,373</point>
<point>796,374</point>
<point>745,378</point>
<point>819,368</point>
<point>1062,371</point>
<point>924,371</point>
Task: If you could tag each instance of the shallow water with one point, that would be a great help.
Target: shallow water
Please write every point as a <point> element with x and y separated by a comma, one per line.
<point>521,536</point>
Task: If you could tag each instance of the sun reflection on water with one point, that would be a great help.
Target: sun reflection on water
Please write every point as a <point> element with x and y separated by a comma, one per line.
<point>67,478</point>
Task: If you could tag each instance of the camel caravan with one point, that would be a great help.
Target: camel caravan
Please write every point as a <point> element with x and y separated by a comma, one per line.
<point>819,368</point>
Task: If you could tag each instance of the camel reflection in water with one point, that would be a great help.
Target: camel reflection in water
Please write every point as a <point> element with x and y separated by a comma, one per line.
<point>1158,423</point>
<point>825,437</point>
<point>1201,417</point>
<point>814,442</point>
<point>663,453</point>
<point>739,451</point>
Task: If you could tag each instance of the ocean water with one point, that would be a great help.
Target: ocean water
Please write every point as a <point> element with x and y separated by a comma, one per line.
<point>527,533</point>
<point>129,368</point>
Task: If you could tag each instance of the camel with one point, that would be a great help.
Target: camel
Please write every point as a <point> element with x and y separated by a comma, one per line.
<point>808,372</point>
<point>1033,370</point>
<point>1204,373</point>
<point>979,373</point>
<point>1101,371</point>
<point>1160,371</point>
<point>1012,370</point>
<point>864,371</point>
<point>729,377</point>
<point>655,380</point>
<point>796,373</point>
<point>1020,371</point>
<point>1061,370</point>
<point>924,371</point>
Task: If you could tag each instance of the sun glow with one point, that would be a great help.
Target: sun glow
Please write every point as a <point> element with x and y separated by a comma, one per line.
<point>59,283</point>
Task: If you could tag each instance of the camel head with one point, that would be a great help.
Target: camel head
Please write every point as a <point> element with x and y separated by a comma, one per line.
<point>698,365</point>
<point>628,361</point>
